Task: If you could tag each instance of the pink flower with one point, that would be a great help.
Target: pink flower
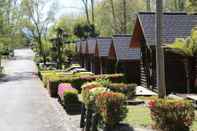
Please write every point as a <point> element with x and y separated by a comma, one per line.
<point>62,87</point>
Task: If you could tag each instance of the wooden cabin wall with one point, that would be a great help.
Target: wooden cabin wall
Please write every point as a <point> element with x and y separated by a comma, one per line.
<point>195,74</point>
<point>92,63</point>
<point>97,67</point>
<point>104,65</point>
<point>145,68</point>
<point>153,67</point>
<point>88,63</point>
<point>131,70</point>
<point>111,66</point>
<point>175,73</point>
<point>82,61</point>
<point>143,76</point>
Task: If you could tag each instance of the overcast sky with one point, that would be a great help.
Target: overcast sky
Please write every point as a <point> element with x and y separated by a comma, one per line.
<point>71,7</point>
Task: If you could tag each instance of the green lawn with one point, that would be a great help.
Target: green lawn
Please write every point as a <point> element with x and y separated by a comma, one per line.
<point>139,116</point>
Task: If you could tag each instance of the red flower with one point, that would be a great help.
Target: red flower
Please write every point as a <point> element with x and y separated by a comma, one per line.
<point>151,104</point>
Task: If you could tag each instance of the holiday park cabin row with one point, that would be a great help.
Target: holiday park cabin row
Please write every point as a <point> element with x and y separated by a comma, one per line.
<point>108,55</point>
<point>136,56</point>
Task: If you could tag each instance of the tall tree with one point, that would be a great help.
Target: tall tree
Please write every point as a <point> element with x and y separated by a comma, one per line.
<point>85,4</point>
<point>114,16</point>
<point>181,5</point>
<point>148,5</point>
<point>191,6</point>
<point>33,11</point>
<point>124,16</point>
<point>93,16</point>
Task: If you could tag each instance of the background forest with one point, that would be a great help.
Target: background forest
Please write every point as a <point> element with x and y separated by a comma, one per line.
<point>35,22</point>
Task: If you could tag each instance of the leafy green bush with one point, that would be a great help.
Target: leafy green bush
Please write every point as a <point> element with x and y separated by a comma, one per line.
<point>172,115</point>
<point>111,107</point>
<point>104,82</point>
<point>51,74</point>
<point>127,89</point>
<point>70,97</point>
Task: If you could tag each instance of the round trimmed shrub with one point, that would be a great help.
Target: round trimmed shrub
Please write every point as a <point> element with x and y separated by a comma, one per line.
<point>172,115</point>
<point>70,97</point>
<point>111,107</point>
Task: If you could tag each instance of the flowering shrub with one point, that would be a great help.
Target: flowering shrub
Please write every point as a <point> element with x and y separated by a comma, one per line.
<point>85,93</point>
<point>127,89</point>
<point>77,81</point>
<point>111,107</point>
<point>63,87</point>
<point>172,115</point>
<point>93,93</point>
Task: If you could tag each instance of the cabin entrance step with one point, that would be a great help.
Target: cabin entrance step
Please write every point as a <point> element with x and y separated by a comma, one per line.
<point>142,91</point>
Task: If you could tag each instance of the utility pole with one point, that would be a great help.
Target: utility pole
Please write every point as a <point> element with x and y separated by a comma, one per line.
<point>159,50</point>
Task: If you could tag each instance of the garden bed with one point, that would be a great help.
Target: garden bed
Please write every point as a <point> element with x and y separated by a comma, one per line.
<point>77,82</point>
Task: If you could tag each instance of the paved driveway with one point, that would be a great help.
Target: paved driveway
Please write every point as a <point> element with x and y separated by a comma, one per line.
<point>24,104</point>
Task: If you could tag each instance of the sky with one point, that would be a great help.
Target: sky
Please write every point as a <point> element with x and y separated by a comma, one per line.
<point>71,7</point>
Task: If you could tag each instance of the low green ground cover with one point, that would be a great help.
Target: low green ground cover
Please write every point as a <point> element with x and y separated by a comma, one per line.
<point>138,116</point>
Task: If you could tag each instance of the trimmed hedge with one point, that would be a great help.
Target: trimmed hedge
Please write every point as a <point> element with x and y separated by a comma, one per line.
<point>77,82</point>
<point>60,75</point>
<point>68,96</point>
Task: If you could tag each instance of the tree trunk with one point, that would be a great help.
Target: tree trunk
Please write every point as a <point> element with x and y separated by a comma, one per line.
<point>92,3</point>
<point>148,8</point>
<point>85,2</point>
<point>181,5</point>
<point>0,61</point>
<point>175,4</point>
<point>114,17</point>
<point>42,53</point>
<point>125,16</point>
